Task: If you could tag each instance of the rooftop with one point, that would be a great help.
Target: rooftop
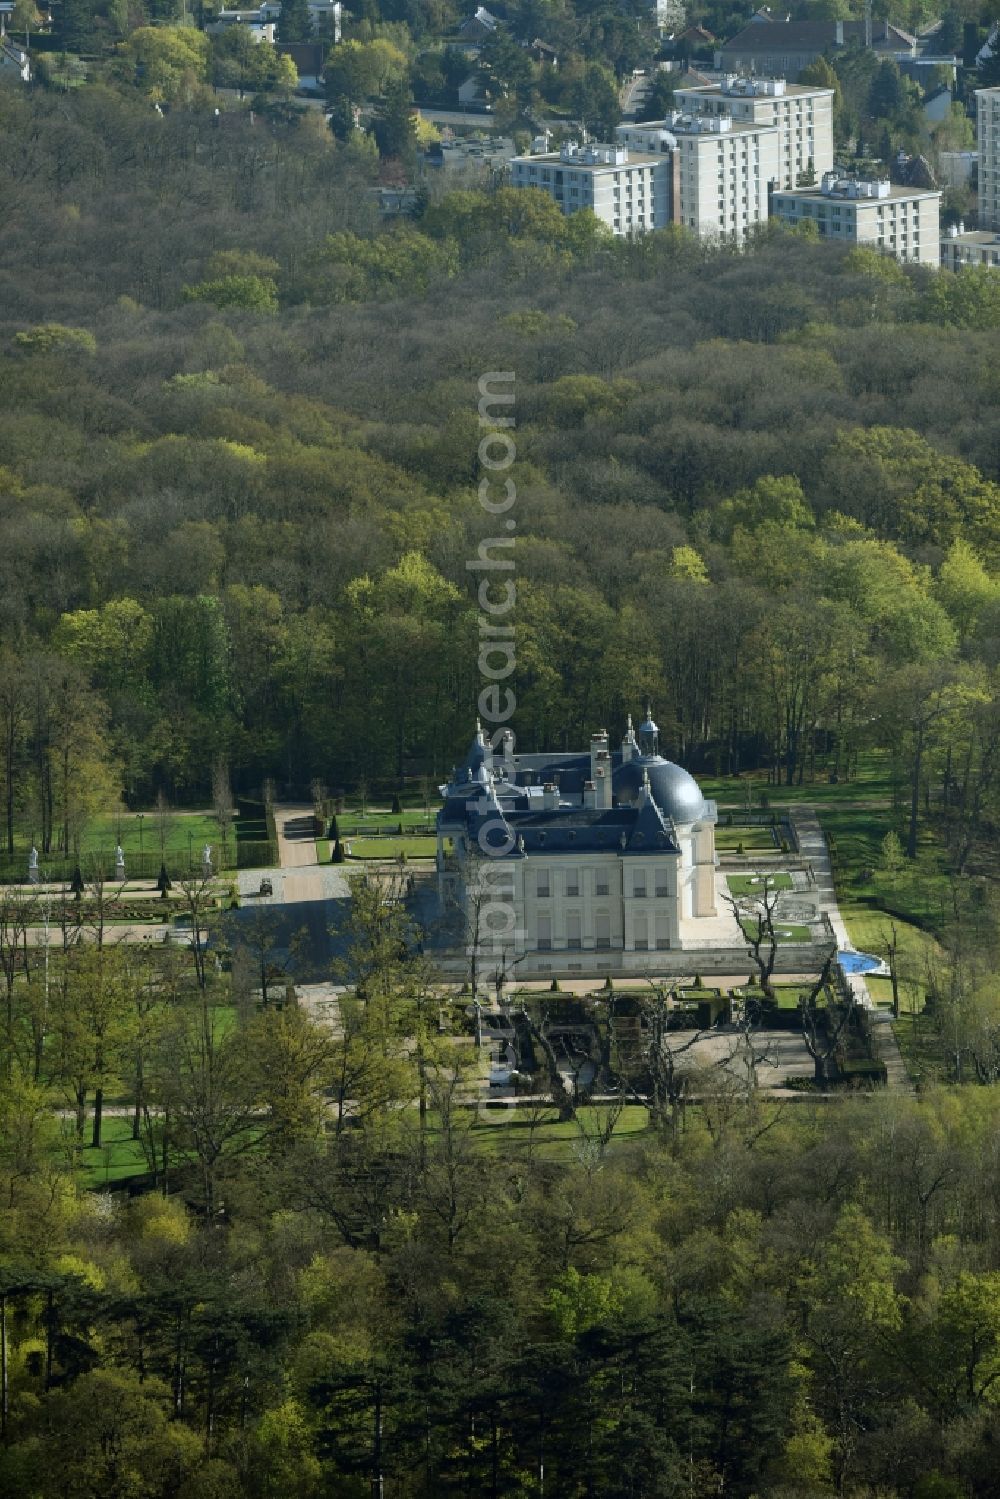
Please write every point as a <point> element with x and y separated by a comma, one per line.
<point>955,236</point>
<point>853,189</point>
<point>592,159</point>
<point>734,86</point>
<point>688,124</point>
<point>801,35</point>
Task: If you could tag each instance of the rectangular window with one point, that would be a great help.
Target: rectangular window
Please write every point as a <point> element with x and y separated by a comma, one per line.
<point>600,883</point>
<point>544,933</point>
<point>542,885</point>
<point>639,885</point>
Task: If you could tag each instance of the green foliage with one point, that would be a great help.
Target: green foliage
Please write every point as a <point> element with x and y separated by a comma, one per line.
<point>360,70</point>
<point>970,299</point>
<point>243,293</point>
<point>352,269</point>
<point>52,338</point>
<point>167,62</point>
<point>240,61</point>
<point>871,263</point>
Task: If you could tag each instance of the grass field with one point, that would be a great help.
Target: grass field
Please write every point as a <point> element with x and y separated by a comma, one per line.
<point>871,783</point>
<point>119,1157</point>
<point>499,1127</point>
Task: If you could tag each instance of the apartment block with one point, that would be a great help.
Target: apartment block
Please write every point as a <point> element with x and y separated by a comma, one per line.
<point>630,191</point>
<point>724,169</point>
<point>802,116</point>
<point>988,130</point>
<point>976,247</point>
<point>902,220</point>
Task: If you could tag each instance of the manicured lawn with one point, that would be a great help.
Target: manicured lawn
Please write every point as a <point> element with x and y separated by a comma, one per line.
<point>911,994</point>
<point>390,848</point>
<point>786,932</point>
<point>409,817</point>
<point>754,840</point>
<point>751,884</point>
<point>871,930</point>
<point>102,833</point>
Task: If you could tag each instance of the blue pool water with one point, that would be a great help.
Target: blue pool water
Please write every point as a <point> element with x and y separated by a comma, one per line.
<point>858,962</point>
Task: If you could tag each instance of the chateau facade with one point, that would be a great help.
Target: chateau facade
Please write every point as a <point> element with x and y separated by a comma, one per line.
<point>577,862</point>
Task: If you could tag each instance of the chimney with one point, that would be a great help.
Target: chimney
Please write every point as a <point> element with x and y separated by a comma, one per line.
<point>589,794</point>
<point>507,751</point>
<point>602,781</point>
<point>598,744</point>
<point>550,796</point>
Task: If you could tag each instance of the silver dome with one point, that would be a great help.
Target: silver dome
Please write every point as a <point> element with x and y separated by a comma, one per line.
<point>675,792</point>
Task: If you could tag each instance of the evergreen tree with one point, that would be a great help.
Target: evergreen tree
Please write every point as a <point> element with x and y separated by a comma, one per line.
<point>393,128</point>
<point>341,117</point>
<point>74,25</point>
<point>295,22</point>
<point>886,96</point>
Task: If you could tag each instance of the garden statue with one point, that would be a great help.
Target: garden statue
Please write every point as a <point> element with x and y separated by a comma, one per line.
<point>119,862</point>
<point>33,866</point>
<point>206,858</point>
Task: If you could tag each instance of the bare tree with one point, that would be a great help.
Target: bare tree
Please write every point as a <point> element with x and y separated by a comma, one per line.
<point>755,914</point>
<point>102,895</point>
<point>565,1067</point>
<point>199,905</point>
<point>669,1079</point>
<point>823,1025</point>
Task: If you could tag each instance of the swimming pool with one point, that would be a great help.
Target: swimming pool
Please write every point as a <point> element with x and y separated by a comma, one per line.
<point>859,962</point>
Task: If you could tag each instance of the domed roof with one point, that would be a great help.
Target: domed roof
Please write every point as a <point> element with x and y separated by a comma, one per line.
<point>675,792</point>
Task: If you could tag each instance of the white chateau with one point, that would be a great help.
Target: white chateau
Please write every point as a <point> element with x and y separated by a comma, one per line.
<point>579,862</point>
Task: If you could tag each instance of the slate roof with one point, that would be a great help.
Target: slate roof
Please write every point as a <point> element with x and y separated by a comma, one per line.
<point>812,35</point>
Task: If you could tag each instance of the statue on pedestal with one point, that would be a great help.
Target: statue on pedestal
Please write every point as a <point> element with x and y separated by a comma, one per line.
<point>119,862</point>
<point>206,859</point>
<point>33,866</point>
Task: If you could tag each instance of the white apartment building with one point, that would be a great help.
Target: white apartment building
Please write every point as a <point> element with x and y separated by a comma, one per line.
<point>629,191</point>
<point>976,247</point>
<point>803,117</point>
<point>988,133</point>
<point>903,220</point>
<point>724,169</point>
